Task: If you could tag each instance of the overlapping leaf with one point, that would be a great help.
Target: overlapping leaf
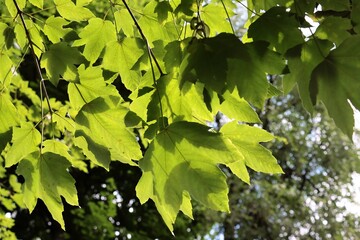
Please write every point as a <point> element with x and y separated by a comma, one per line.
<point>121,56</point>
<point>90,86</point>
<point>95,36</point>
<point>102,134</point>
<point>185,104</point>
<point>278,27</point>
<point>7,120</point>
<point>54,28</point>
<point>25,135</point>
<point>183,158</point>
<point>243,66</point>
<point>59,61</point>
<point>47,178</point>
<point>302,60</point>
<point>238,108</point>
<point>246,140</point>
<point>68,10</point>
<point>336,80</point>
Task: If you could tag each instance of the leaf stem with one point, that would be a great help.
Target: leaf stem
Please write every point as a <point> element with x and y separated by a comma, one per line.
<point>43,90</point>
<point>143,37</point>
<point>151,58</point>
<point>228,16</point>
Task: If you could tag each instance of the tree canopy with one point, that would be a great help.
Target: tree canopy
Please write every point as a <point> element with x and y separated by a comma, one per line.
<point>87,83</point>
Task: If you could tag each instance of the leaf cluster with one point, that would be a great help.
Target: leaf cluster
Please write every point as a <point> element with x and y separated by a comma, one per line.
<point>140,82</point>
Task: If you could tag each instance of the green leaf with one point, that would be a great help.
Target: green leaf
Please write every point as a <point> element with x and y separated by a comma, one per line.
<point>302,60</point>
<point>233,65</point>
<point>54,28</point>
<point>102,121</point>
<point>6,35</point>
<point>335,29</point>
<point>355,16</point>
<point>91,85</point>
<point>246,140</point>
<point>336,80</point>
<point>126,52</point>
<point>176,104</point>
<point>248,71</point>
<point>339,5</point>
<point>57,147</point>
<point>12,8</point>
<point>235,107</point>
<point>5,71</point>
<point>47,178</point>
<point>68,10</point>
<point>37,3</point>
<point>8,120</point>
<point>266,5</point>
<point>214,15</point>
<point>278,27</point>
<point>35,35</point>
<point>124,22</point>
<point>59,61</point>
<point>184,158</point>
<point>95,36</point>
<point>25,135</point>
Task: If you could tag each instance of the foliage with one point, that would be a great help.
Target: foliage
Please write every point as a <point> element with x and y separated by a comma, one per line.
<point>139,83</point>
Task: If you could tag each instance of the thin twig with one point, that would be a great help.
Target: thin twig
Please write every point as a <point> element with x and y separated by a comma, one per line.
<point>38,68</point>
<point>228,16</point>
<point>143,37</point>
<point>31,44</point>
<point>151,58</point>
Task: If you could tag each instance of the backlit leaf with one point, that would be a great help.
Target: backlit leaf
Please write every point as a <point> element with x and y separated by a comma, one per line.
<point>126,52</point>
<point>246,140</point>
<point>37,3</point>
<point>68,10</point>
<point>102,122</point>
<point>184,158</point>
<point>8,120</point>
<point>95,36</point>
<point>238,108</point>
<point>25,135</point>
<point>47,178</point>
<point>54,28</point>
<point>91,86</point>
<point>59,61</point>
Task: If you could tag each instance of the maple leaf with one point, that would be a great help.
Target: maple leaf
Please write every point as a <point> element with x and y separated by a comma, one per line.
<point>25,135</point>
<point>68,10</point>
<point>336,80</point>
<point>95,36</point>
<point>101,131</point>
<point>47,178</point>
<point>60,60</point>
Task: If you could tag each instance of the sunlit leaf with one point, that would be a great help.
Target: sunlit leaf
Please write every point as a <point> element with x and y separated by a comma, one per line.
<point>238,108</point>
<point>54,28</point>
<point>59,61</point>
<point>102,122</point>
<point>72,12</point>
<point>47,178</point>
<point>95,36</point>
<point>127,53</point>
<point>25,135</point>
<point>91,86</point>
<point>246,140</point>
